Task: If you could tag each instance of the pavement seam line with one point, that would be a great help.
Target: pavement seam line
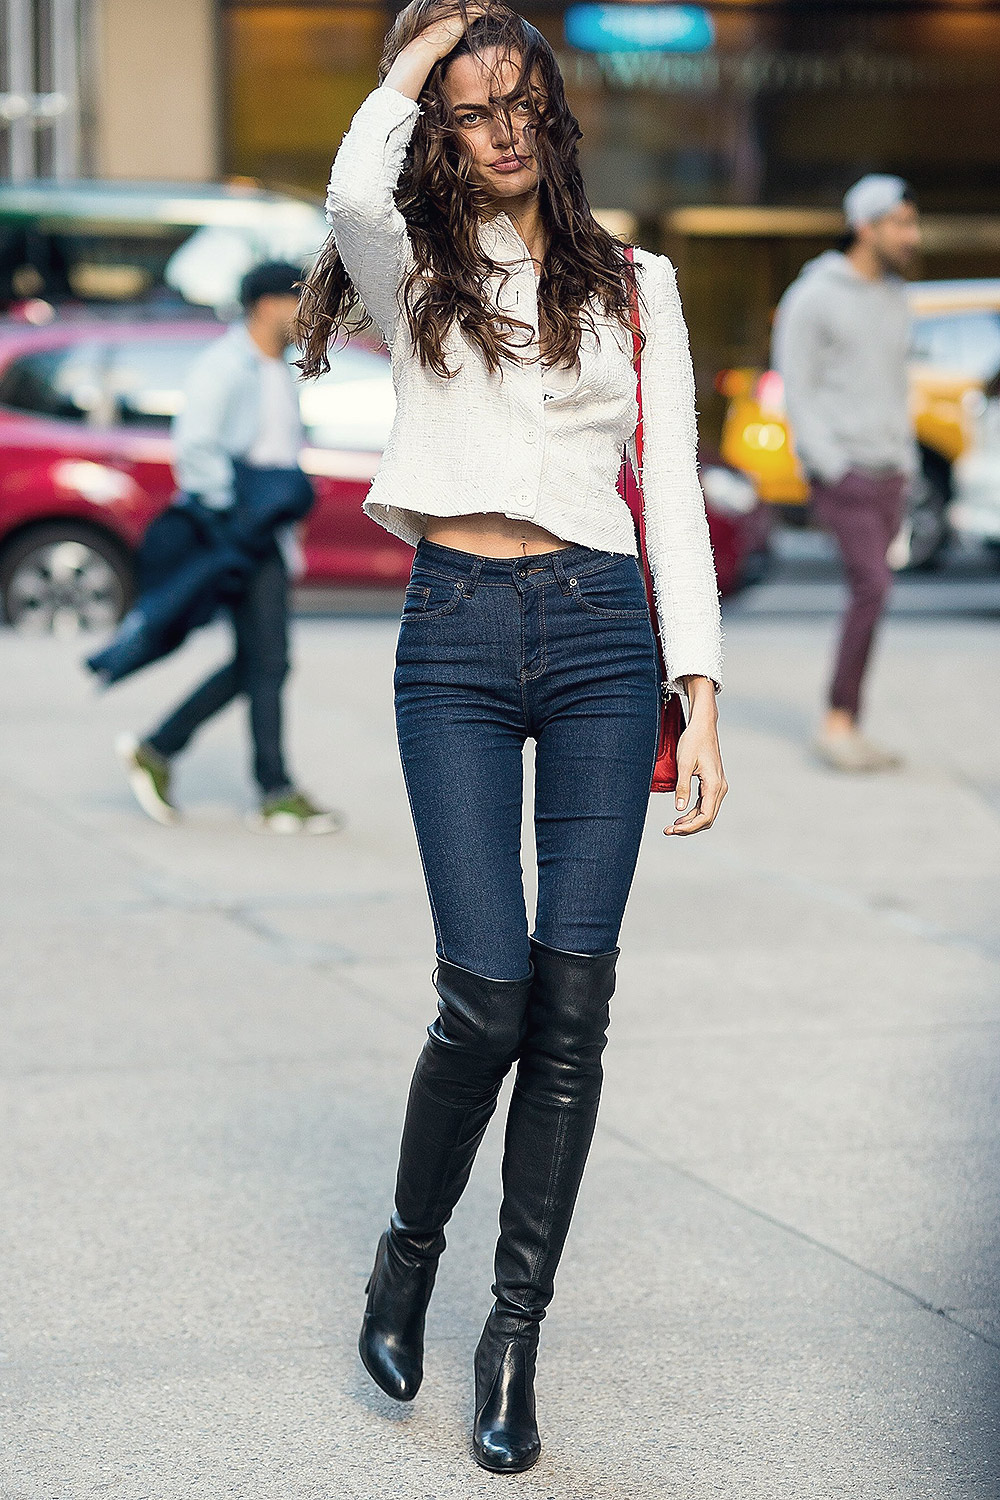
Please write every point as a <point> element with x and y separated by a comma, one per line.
<point>834,895</point>
<point>800,1234</point>
<point>160,888</point>
<point>243,919</point>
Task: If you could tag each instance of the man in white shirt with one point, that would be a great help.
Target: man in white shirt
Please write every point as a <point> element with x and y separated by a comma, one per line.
<point>240,416</point>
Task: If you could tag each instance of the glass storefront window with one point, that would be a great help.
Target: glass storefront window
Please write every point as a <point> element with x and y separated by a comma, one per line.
<point>294,75</point>
<point>780,106</point>
<point>786,106</point>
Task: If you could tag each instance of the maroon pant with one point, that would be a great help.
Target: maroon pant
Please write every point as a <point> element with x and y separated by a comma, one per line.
<point>863,512</point>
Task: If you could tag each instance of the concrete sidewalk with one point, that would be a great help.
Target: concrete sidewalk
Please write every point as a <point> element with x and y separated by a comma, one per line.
<point>783,1278</point>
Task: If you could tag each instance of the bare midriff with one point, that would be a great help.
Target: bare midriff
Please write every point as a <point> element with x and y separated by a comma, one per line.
<point>492,535</point>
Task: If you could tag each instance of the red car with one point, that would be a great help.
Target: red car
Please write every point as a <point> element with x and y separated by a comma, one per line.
<point>85,408</point>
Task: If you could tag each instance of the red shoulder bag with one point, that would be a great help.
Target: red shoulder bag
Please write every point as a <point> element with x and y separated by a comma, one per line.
<point>671,710</point>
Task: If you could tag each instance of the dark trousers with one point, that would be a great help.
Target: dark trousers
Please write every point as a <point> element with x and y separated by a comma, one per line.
<point>491,653</point>
<point>863,512</point>
<point>257,671</point>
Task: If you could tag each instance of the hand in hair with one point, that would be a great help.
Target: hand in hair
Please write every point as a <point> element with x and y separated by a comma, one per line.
<point>447,23</point>
<point>410,219</point>
<point>437,27</point>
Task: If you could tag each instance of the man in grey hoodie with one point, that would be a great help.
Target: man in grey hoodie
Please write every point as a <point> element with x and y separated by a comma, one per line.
<point>841,341</point>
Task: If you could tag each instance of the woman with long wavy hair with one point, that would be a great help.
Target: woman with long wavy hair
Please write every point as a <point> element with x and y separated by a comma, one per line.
<point>461,228</point>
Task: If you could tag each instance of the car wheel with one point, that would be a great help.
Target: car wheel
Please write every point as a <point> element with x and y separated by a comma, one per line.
<point>924,534</point>
<point>61,579</point>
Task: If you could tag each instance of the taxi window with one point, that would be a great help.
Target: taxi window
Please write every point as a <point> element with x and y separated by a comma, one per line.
<point>964,342</point>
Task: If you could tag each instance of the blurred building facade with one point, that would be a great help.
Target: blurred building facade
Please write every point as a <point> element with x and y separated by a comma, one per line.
<point>789,104</point>
<point>41,88</point>
<point>732,157</point>
<point>110,88</point>
<point>786,103</point>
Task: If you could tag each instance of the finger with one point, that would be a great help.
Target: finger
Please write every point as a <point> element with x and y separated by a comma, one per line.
<point>692,822</point>
<point>679,824</point>
<point>712,793</point>
<point>682,792</point>
<point>705,811</point>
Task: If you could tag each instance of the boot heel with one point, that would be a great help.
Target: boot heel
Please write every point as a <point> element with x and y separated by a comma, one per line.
<point>505,1435</point>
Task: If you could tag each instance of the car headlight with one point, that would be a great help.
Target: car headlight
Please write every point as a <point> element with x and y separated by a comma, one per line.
<point>728,490</point>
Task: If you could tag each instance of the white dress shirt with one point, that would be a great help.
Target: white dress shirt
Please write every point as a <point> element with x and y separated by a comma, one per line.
<point>279,437</point>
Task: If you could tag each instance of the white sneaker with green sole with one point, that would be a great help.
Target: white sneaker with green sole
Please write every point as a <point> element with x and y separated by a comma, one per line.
<point>148,776</point>
<point>294,812</point>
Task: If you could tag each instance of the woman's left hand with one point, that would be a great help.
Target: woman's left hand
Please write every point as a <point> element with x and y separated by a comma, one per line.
<point>698,755</point>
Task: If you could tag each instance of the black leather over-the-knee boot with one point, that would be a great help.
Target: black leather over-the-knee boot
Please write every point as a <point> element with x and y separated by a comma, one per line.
<point>550,1126</point>
<point>470,1048</point>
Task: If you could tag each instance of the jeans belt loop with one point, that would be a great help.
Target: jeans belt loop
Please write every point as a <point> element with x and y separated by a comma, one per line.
<point>473,578</point>
<point>559,569</point>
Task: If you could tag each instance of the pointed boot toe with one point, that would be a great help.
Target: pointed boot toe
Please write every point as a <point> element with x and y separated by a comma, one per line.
<point>391,1365</point>
<point>505,1436</point>
<point>391,1342</point>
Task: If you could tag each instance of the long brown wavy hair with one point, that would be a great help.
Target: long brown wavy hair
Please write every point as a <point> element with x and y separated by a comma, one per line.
<point>585,266</point>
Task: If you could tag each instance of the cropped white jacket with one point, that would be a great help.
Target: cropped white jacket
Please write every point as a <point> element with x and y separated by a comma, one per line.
<point>482,442</point>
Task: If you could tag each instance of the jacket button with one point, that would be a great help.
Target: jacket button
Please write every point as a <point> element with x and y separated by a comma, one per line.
<point>530,435</point>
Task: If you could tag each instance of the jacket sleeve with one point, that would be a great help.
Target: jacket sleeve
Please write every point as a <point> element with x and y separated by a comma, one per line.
<point>202,464</point>
<point>360,207</point>
<point>798,344</point>
<point>677,540</point>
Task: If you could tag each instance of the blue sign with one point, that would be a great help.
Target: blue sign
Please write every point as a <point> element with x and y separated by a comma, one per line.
<point>639,28</point>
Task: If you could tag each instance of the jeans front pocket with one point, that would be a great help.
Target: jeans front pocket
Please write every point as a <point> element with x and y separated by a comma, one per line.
<point>612,593</point>
<point>429,598</point>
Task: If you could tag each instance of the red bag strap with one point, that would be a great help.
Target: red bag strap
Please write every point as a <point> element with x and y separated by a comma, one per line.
<point>637,509</point>
<point>633,495</point>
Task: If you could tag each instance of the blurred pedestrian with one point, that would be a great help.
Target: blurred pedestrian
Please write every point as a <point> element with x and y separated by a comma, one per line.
<point>841,342</point>
<point>459,217</point>
<point>241,418</point>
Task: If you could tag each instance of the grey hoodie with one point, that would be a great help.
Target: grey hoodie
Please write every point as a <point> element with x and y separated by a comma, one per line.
<point>841,344</point>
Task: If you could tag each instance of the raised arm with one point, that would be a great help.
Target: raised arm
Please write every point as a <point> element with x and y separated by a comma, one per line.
<point>360,205</point>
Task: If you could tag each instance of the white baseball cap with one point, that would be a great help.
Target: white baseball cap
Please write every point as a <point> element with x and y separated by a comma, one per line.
<point>873,196</point>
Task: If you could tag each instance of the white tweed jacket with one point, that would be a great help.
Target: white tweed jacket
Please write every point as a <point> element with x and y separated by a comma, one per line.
<point>490,442</point>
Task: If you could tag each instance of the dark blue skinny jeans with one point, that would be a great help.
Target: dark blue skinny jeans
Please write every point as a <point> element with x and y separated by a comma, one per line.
<point>557,648</point>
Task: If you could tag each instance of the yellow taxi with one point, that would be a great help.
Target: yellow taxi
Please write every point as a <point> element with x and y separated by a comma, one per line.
<point>956,352</point>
